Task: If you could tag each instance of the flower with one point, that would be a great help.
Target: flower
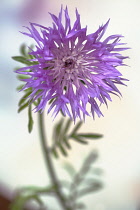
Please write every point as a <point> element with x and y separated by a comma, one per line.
<point>73,69</point>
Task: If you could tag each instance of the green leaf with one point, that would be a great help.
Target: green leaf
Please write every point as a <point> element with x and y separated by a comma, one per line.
<point>63,150</point>
<point>20,201</point>
<point>67,125</point>
<point>57,130</point>
<point>90,159</point>
<point>19,87</point>
<point>28,89</point>
<point>76,127</point>
<point>30,122</point>
<point>70,169</point>
<point>97,171</point>
<point>23,50</point>
<point>37,190</point>
<point>54,152</point>
<point>31,56</point>
<point>22,59</point>
<point>31,193</point>
<point>60,140</point>
<point>51,100</point>
<point>17,68</point>
<point>92,188</point>
<point>23,107</point>
<point>24,98</point>
<point>66,142</point>
<point>79,140</point>
<point>90,135</point>
<point>62,113</point>
<point>20,77</point>
<point>32,46</point>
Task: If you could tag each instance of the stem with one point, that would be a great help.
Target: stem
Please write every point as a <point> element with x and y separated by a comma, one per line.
<point>49,165</point>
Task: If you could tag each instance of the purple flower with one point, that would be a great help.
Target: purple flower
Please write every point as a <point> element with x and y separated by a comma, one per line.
<point>73,69</point>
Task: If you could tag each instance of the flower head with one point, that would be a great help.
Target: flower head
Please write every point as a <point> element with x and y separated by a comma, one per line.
<point>73,69</point>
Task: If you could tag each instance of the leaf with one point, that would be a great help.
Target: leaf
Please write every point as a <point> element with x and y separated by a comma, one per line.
<point>91,181</point>
<point>36,103</point>
<point>24,98</point>
<point>84,170</point>
<point>20,77</point>
<point>31,56</point>
<point>69,168</point>
<point>76,138</point>
<point>62,113</point>
<point>23,50</point>
<point>32,46</point>
<point>57,130</point>
<point>31,193</point>
<point>66,142</point>
<point>19,87</point>
<point>20,201</point>
<point>51,100</point>
<point>54,152</point>
<point>60,138</point>
<point>21,59</point>
<point>97,171</point>
<point>92,188</point>
<point>30,122</point>
<point>23,107</point>
<point>76,127</point>
<point>17,68</point>
<point>63,150</point>
<point>37,190</point>
<point>67,126</point>
<point>81,184</point>
<point>90,135</point>
<point>90,159</point>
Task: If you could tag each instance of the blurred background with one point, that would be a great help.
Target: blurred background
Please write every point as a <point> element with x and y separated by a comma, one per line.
<point>21,161</point>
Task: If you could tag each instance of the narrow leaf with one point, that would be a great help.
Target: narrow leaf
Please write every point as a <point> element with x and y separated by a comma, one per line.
<point>76,127</point>
<point>66,142</point>
<point>31,56</point>
<point>57,130</point>
<point>95,187</point>
<point>59,126</point>
<point>63,150</point>
<point>97,171</point>
<point>20,77</point>
<point>23,107</point>
<point>35,103</point>
<point>23,50</point>
<point>22,60</point>
<point>37,190</point>
<point>76,138</point>
<point>24,98</point>
<point>54,152</point>
<point>30,122</point>
<point>67,126</point>
<point>19,87</point>
<point>62,113</point>
<point>70,169</point>
<point>90,135</point>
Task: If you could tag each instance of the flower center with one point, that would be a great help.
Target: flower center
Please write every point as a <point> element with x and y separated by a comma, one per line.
<point>69,63</point>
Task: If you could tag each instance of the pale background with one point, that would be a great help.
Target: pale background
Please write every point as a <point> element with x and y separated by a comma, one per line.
<point>21,160</point>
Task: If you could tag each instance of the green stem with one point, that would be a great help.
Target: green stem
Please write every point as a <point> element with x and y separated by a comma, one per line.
<point>49,165</point>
